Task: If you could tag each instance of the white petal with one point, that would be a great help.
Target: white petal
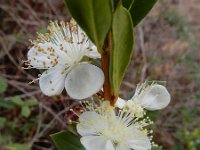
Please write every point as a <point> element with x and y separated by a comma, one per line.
<point>83,81</point>
<point>86,44</point>
<point>140,141</point>
<point>40,57</point>
<point>109,145</point>
<point>81,36</point>
<point>93,53</point>
<point>75,51</point>
<point>155,97</point>
<point>94,142</point>
<point>120,103</point>
<point>52,81</point>
<point>90,123</point>
<point>89,115</point>
<point>120,147</point>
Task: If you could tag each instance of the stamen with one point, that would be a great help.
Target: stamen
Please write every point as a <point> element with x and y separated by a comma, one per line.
<point>117,123</point>
<point>33,81</point>
<point>74,112</point>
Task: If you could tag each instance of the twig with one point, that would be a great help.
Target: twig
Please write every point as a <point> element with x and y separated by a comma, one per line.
<point>39,134</point>
<point>23,95</point>
<point>108,94</point>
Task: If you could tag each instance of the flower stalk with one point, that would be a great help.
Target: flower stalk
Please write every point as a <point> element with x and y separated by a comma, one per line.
<point>108,94</point>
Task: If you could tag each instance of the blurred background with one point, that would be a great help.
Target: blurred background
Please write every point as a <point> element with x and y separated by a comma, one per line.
<point>166,48</point>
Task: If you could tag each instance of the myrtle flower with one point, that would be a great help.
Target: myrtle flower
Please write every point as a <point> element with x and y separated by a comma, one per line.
<point>61,52</point>
<point>104,128</point>
<point>150,97</point>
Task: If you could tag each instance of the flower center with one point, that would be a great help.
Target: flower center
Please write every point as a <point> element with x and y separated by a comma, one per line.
<point>135,108</point>
<point>117,126</point>
<point>65,44</point>
<point>116,131</point>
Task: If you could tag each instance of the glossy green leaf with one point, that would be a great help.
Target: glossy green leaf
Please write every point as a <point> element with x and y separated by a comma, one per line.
<point>66,141</point>
<point>3,85</point>
<point>93,16</point>
<point>127,3</point>
<point>122,46</point>
<point>138,8</point>
<point>31,102</point>
<point>25,111</point>
<point>17,101</point>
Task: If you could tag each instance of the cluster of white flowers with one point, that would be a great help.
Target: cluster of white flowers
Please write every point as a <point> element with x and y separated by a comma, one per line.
<point>65,53</point>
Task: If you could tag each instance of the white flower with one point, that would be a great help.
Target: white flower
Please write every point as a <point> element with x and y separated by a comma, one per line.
<point>60,52</point>
<point>102,128</point>
<point>150,97</point>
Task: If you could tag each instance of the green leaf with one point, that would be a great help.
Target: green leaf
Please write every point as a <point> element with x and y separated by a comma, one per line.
<point>6,104</point>
<point>3,85</point>
<point>127,3</point>
<point>93,16</point>
<point>17,101</point>
<point>114,4</point>
<point>122,46</point>
<point>2,121</point>
<point>66,141</point>
<point>138,8</point>
<point>31,102</point>
<point>25,111</point>
<point>18,147</point>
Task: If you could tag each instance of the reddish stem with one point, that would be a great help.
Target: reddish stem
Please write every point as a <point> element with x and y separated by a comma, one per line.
<point>108,94</point>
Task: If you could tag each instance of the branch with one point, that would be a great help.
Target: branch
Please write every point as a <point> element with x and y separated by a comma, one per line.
<point>108,94</point>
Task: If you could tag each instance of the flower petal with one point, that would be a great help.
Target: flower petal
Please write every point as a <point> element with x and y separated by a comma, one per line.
<point>140,141</point>
<point>109,145</point>
<point>120,103</point>
<point>85,44</point>
<point>88,123</point>
<point>52,81</point>
<point>120,147</point>
<point>155,97</point>
<point>83,81</point>
<point>93,53</point>
<point>40,57</point>
<point>94,142</point>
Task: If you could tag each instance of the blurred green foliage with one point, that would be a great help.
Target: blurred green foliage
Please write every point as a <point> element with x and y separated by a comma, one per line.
<point>183,29</point>
<point>3,85</point>
<point>18,147</point>
<point>188,135</point>
<point>17,126</point>
<point>18,36</point>
<point>191,139</point>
